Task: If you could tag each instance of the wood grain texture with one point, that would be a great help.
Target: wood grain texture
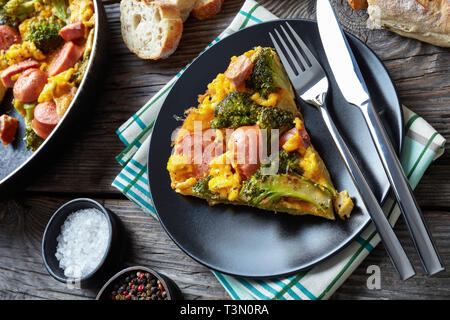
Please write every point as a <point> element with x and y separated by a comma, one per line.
<point>86,166</point>
<point>23,274</point>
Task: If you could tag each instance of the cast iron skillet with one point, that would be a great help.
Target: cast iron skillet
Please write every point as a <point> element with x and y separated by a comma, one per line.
<point>17,165</point>
<point>249,242</point>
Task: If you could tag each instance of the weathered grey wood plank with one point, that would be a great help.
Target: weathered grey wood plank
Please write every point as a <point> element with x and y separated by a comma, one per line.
<point>86,166</point>
<point>23,275</point>
<point>416,288</point>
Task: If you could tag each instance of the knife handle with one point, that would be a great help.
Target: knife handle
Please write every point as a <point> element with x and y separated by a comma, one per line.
<point>391,243</point>
<point>414,219</point>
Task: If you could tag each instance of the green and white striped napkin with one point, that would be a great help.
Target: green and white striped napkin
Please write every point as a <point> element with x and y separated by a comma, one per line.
<point>422,145</point>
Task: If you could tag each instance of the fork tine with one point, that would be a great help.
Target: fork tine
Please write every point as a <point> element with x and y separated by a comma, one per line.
<point>285,62</point>
<point>305,64</point>
<point>305,49</point>
<point>295,65</point>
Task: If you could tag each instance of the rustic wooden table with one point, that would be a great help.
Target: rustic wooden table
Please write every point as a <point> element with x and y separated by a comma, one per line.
<point>87,166</point>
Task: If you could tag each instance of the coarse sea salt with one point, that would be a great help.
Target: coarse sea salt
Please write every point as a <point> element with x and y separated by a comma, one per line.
<point>82,242</point>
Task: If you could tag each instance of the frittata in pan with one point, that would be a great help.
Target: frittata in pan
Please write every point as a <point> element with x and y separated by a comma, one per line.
<point>45,47</point>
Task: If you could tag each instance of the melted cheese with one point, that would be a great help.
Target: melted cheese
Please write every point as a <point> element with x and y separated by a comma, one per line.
<point>179,168</point>
<point>82,10</point>
<point>272,99</point>
<point>19,52</point>
<point>57,86</point>
<point>224,181</point>
<point>295,143</point>
<point>311,165</point>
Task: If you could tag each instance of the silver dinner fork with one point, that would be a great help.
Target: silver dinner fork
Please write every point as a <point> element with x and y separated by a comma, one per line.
<point>311,84</point>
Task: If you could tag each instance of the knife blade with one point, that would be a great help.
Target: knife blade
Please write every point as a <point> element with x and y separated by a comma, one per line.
<point>352,86</point>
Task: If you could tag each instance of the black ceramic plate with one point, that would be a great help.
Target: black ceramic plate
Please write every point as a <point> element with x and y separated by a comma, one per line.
<point>16,163</point>
<point>248,242</point>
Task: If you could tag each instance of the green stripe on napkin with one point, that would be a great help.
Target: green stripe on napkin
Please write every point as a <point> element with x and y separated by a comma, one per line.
<point>422,144</point>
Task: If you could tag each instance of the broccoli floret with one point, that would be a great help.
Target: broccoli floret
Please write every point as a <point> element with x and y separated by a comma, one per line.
<point>289,162</point>
<point>13,12</point>
<point>29,111</point>
<point>268,73</point>
<point>81,66</point>
<point>238,109</point>
<point>201,189</point>
<point>266,190</point>
<point>32,139</point>
<point>272,117</point>
<point>45,33</point>
<point>80,69</point>
<point>61,9</point>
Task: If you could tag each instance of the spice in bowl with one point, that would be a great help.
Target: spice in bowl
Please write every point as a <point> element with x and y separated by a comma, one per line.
<point>82,242</point>
<point>138,285</point>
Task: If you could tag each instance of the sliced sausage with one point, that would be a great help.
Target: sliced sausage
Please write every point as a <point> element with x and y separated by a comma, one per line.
<point>69,54</point>
<point>8,128</point>
<point>245,144</point>
<point>72,31</point>
<point>45,119</point>
<point>239,70</point>
<point>17,68</point>
<point>305,139</point>
<point>29,85</point>
<point>199,149</point>
<point>8,36</point>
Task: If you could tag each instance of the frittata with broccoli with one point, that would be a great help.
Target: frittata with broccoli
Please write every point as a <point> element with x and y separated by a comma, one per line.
<point>246,144</point>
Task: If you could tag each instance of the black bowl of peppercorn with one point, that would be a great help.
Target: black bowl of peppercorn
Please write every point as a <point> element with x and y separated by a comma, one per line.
<point>139,283</point>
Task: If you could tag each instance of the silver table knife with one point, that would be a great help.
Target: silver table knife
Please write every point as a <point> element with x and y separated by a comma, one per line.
<point>311,84</point>
<point>351,83</point>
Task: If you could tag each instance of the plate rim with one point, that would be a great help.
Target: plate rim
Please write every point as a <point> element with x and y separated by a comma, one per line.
<point>338,248</point>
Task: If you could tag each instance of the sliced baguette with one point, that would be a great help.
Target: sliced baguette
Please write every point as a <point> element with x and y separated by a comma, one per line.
<point>205,9</point>
<point>185,7</point>
<point>358,4</point>
<point>150,29</point>
<point>425,20</point>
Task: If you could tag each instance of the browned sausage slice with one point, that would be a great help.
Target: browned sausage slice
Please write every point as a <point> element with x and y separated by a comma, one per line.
<point>45,119</point>
<point>29,85</point>
<point>8,36</point>
<point>8,128</point>
<point>239,70</point>
<point>69,54</point>
<point>208,146</point>
<point>9,72</point>
<point>306,141</point>
<point>245,145</point>
<point>72,31</point>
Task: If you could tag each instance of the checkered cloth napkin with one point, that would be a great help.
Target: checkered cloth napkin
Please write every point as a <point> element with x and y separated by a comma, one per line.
<point>422,145</point>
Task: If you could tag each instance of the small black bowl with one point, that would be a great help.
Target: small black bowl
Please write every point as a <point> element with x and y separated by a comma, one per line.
<point>173,292</point>
<point>110,259</point>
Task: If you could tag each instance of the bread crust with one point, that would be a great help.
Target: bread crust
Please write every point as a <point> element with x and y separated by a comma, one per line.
<point>358,4</point>
<point>185,7</point>
<point>173,28</point>
<point>425,20</point>
<point>172,14</point>
<point>206,9</point>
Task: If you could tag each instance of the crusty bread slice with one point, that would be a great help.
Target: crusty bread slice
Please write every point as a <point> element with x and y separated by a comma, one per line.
<point>185,7</point>
<point>358,4</point>
<point>425,20</point>
<point>205,9</point>
<point>150,29</point>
